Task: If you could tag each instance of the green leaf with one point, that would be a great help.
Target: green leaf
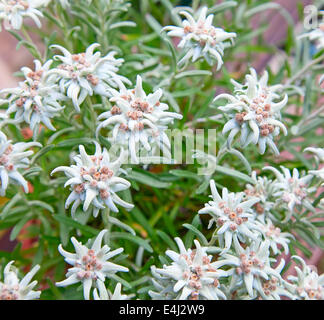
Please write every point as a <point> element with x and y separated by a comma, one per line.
<point>147,179</point>
<point>130,237</point>
<point>233,173</point>
<point>201,237</point>
<point>17,228</point>
<point>122,225</point>
<point>184,174</point>
<point>86,230</point>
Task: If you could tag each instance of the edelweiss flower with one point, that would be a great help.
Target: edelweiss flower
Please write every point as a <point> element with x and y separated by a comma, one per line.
<point>138,120</point>
<point>192,274</point>
<point>316,35</point>
<point>14,289</point>
<point>275,237</point>
<point>90,266</point>
<point>94,180</point>
<point>35,100</point>
<point>12,158</point>
<point>292,191</point>
<point>12,12</point>
<point>83,74</point>
<point>251,266</point>
<point>105,294</point>
<point>233,217</point>
<point>253,112</point>
<point>200,39</point>
<point>319,156</point>
<point>262,189</point>
<point>307,285</point>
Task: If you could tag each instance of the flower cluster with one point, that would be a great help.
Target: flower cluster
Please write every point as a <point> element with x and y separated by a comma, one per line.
<point>90,265</point>
<point>138,121</point>
<point>95,180</point>
<point>251,267</point>
<point>200,39</point>
<point>13,158</point>
<point>233,216</point>
<point>292,190</point>
<point>14,289</point>
<point>192,275</point>
<point>13,12</point>
<point>254,112</point>
<point>35,100</point>
<point>307,285</point>
<point>83,74</point>
<point>263,189</point>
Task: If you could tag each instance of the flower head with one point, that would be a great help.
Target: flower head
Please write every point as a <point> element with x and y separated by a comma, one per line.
<point>316,35</point>
<point>192,274</point>
<point>319,156</point>
<point>276,237</point>
<point>200,39</point>
<point>13,157</point>
<point>233,216</point>
<point>251,267</point>
<point>14,289</point>
<point>138,121</point>
<point>307,285</point>
<point>254,112</point>
<point>90,265</point>
<point>83,74</point>
<point>95,180</point>
<point>292,190</point>
<point>12,12</point>
<point>263,189</point>
<point>35,100</point>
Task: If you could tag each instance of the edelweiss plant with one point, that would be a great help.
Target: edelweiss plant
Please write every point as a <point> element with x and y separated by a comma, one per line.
<point>13,158</point>
<point>83,74</point>
<point>142,105</point>
<point>36,100</point>
<point>14,289</point>
<point>254,112</point>
<point>138,120</point>
<point>200,39</point>
<point>192,275</point>
<point>94,180</point>
<point>233,217</point>
<point>90,265</point>
<point>13,12</point>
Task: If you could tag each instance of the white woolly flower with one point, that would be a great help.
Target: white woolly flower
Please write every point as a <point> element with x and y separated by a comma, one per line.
<point>200,39</point>
<point>316,35</point>
<point>254,112</point>
<point>90,265</point>
<point>251,267</point>
<point>263,189</point>
<point>319,156</point>
<point>138,121</point>
<point>35,100</point>
<point>307,285</point>
<point>95,180</point>
<point>192,274</point>
<point>14,289</point>
<point>13,12</point>
<point>275,237</point>
<point>13,158</point>
<point>81,75</point>
<point>292,190</point>
<point>105,294</point>
<point>232,215</point>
